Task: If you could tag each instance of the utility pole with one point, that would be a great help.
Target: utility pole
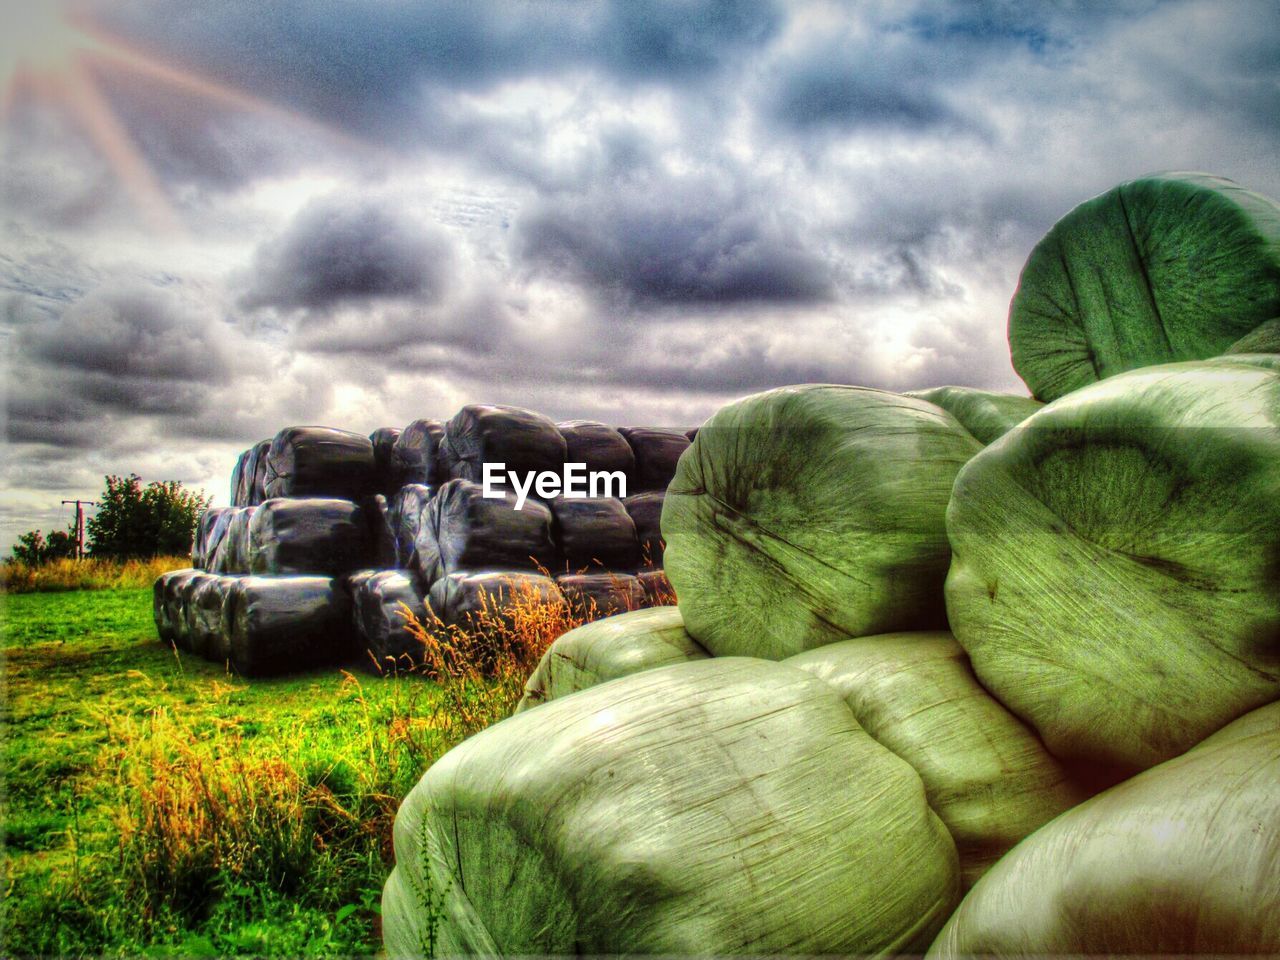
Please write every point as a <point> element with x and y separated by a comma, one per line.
<point>80,505</point>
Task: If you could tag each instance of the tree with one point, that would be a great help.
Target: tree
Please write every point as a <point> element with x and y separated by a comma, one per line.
<point>33,549</point>
<point>137,521</point>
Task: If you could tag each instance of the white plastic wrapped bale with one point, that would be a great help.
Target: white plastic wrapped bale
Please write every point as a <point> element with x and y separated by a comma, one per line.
<point>416,455</point>
<point>1171,267</point>
<point>599,446</point>
<point>601,594</point>
<point>593,533</point>
<point>1181,860</point>
<point>405,514</point>
<point>1114,578</point>
<point>809,514</point>
<point>658,591</point>
<point>986,774</point>
<point>380,602</point>
<point>607,649</point>
<point>645,510</point>
<point>491,433</point>
<point>646,817</point>
<point>288,624</point>
<point>472,600</point>
<point>315,535</point>
<point>384,441</point>
<point>984,414</point>
<point>657,451</point>
<point>232,553</point>
<point>320,462</point>
<point>461,529</point>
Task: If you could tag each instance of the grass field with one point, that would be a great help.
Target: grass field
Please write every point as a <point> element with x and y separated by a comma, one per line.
<point>153,803</point>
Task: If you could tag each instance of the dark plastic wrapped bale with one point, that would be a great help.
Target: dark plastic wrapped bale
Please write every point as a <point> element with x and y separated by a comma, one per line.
<point>645,510</point>
<point>382,532</point>
<point>288,624</point>
<point>472,600</point>
<point>180,606</point>
<point>1165,268</point>
<point>986,415</point>
<point>320,462</point>
<point>379,602</point>
<point>598,445</point>
<point>203,610</point>
<point>1264,339</point>
<point>316,535</point>
<point>219,651</point>
<point>596,595</point>
<point>405,514</point>
<point>209,530</point>
<point>493,433</point>
<point>232,553</point>
<point>463,530</point>
<point>658,591</point>
<point>256,491</point>
<point>692,434</point>
<point>237,483</point>
<point>722,807</point>
<point>416,456</point>
<point>164,602</point>
<point>607,649</point>
<point>593,533</point>
<point>657,453</point>
<point>384,441</point>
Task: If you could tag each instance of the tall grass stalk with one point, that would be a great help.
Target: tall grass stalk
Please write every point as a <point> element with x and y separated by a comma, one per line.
<point>89,574</point>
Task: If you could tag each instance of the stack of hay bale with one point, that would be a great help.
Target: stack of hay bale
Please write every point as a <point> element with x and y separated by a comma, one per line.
<point>329,533</point>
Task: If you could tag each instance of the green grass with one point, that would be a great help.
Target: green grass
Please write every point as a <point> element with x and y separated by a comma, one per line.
<point>153,803</point>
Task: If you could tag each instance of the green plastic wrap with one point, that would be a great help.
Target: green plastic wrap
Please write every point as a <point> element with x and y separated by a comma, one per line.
<point>603,650</point>
<point>984,414</point>
<point>715,808</point>
<point>805,515</point>
<point>1115,561</point>
<point>1182,859</point>
<point>1165,268</point>
<point>986,774</point>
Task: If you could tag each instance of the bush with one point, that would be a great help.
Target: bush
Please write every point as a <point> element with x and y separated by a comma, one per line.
<point>137,521</point>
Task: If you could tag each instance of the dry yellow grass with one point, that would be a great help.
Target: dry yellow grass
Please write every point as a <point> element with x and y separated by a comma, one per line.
<point>88,574</point>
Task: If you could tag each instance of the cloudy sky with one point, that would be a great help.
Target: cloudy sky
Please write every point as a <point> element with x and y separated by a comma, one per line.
<point>219,219</point>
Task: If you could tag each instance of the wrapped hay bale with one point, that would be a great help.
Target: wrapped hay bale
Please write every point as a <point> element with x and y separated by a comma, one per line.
<point>384,440</point>
<point>480,601</point>
<point>180,608</point>
<point>597,445</point>
<point>492,433</point>
<point>210,529</point>
<point>987,775</point>
<point>644,817</point>
<point>256,479</point>
<point>382,531</point>
<point>809,514</point>
<point>315,535</point>
<point>232,552</point>
<point>657,452</point>
<point>461,529</point>
<point>165,604</point>
<point>1265,338</point>
<point>593,533</point>
<point>1166,268</point>
<point>380,601</point>
<point>204,614</point>
<point>645,510</point>
<point>237,484</point>
<point>1183,859</point>
<point>405,514</point>
<point>1114,577</point>
<point>416,457</point>
<point>607,649</point>
<point>594,595</point>
<point>692,434</point>
<point>984,414</point>
<point>320,462</point>
<point>286,624</point>
<point>658,591</point>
